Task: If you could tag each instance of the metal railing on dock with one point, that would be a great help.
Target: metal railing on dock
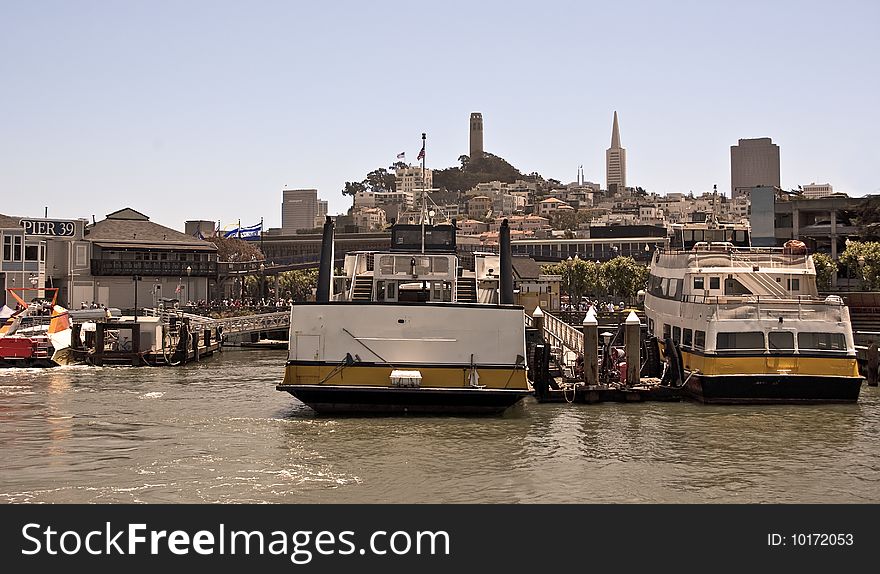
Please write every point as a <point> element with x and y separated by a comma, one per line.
<point>229,325</point>
<point>560,334</point>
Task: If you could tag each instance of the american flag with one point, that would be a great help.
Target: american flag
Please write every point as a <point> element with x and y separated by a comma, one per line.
<point>422,153</point>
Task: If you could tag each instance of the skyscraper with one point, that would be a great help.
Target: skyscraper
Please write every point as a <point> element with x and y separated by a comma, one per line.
<point>753,163</point>
<point>476,135</point>
<point>615,161</point>
<point>298,209</point>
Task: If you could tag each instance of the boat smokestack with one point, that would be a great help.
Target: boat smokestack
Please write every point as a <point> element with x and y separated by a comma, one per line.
<point>506,264</point>
<point>325,271</point>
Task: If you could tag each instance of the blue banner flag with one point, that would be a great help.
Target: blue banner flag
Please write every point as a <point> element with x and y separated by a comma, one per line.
<point>252,232</point>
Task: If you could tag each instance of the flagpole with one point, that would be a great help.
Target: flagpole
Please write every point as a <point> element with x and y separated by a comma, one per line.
<point>239,228</point>
<point>261,238</point>
<point>424,207</point>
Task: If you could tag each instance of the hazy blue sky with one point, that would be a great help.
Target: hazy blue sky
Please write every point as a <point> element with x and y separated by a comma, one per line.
<point>207,110</point>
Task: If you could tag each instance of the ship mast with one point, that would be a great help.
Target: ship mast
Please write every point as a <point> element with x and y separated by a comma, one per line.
<point>424,204</point>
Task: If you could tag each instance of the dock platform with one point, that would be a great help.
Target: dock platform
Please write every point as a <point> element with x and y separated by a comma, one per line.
<point>579,392</point>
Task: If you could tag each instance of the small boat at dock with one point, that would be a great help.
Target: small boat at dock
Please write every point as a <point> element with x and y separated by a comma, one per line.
<point>743,324</point>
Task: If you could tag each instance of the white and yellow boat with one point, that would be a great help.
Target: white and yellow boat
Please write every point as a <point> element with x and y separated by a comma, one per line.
<point>741,324</point>
<point>409,330</point>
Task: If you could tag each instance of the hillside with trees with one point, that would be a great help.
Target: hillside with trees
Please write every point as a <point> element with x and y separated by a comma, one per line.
<point>483,169</point>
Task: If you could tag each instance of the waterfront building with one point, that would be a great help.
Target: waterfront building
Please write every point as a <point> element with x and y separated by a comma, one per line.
<point>111,262</point>
<point>136,262</point>
<point>753,163</point>
<point>476,133</point>
<point>299,208</point>
<point>615,161</point>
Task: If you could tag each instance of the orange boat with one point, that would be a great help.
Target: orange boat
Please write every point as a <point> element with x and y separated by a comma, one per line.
<point>37,334</point>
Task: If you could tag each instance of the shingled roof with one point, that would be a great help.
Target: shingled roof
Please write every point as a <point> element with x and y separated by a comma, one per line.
<point>10,222</point>
<point>130,228</point>
<point>525,267</point>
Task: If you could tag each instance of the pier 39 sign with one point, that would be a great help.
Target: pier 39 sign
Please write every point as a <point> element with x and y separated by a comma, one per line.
<point>49,227</point>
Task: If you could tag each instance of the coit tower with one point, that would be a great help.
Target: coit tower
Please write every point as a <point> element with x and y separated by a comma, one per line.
<point>476,135</point>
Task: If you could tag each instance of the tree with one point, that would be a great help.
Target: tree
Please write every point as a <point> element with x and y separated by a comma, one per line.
<point>862,258</point>
<point>234,249</point>
<point>623,277</point>
<point>826,268</point>
<point>464,160</point>
<point>564,219</point>
<point>298,284</point>
<point>353,187</point>
<point>380,180</point>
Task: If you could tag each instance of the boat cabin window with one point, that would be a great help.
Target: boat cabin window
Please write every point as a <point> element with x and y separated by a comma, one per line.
<point>714,282</point>
<point>676,335</point>
<point>414,293</point>
<point>699,339</point>
<point>780,341</point>
<point>746,341</point>
<point>698,283</point>
<point>688,339</point>
<point>667,331</point>
<point>794,284</point>
<point>821,341</point>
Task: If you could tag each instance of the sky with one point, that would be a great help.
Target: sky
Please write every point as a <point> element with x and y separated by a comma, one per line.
<point>208,110</point>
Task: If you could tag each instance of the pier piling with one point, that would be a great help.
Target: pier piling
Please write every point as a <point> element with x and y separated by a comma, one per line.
<point>591,348</point>
<point>632,349</point>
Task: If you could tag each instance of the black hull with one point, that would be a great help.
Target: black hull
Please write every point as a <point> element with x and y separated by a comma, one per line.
<point>27,363</point>
<point>334,399</point>
<point>772,389</point>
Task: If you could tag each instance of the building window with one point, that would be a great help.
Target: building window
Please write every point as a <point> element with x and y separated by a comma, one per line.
<point>7,248</point>
<point>81,255</point>
<point>31,252</point>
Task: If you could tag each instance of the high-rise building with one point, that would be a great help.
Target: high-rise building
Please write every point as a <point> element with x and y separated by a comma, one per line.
<point>753,163</point>
<point>299,207</point>
<point>409,178</point>
<point>476,135</point>
<point>615,161</point>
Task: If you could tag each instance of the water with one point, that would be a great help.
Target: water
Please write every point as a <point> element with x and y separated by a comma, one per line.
<point>218,431</point>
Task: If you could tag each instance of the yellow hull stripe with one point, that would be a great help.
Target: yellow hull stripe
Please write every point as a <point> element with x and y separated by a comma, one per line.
<point>771,364</point>
<point>433,377</point>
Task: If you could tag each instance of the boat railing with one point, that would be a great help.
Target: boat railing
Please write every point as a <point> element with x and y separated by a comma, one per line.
<point>754,307</point>
<point>749,257</point>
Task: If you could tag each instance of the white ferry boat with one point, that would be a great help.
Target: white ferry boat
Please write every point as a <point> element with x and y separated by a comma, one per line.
<point>742,324</point>
<point>409,330</point>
